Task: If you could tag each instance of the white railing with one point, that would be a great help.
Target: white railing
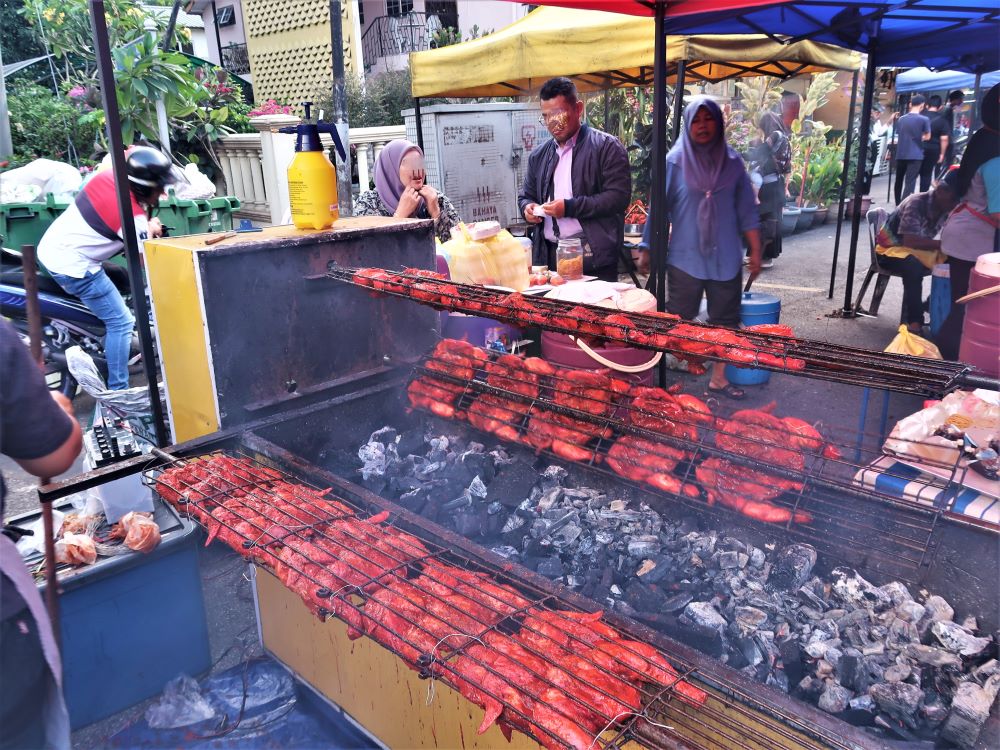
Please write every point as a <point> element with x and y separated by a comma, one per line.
<point>255,164</point>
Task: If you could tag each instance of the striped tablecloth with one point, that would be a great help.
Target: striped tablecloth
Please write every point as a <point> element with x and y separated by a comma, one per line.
<point>891,477</point>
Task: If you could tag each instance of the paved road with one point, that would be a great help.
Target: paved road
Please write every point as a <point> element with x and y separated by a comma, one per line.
<point>800,278</point>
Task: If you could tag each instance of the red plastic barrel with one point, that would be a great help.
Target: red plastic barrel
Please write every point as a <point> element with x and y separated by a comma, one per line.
<point>981,331</point>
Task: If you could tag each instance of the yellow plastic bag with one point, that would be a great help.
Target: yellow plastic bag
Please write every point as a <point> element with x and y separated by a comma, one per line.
<point>510,260</point>
<point>469,261</point>
<point>907,342</point>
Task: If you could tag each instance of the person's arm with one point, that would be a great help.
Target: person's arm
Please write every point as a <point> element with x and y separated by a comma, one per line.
<point>37,429</point>
<point>62,458</point>
<point>617,186</point>
<point>446,219</point>
<point>752,238</point>
<point>925,133</point>
<point>944,148</point>
<point>527,199</point>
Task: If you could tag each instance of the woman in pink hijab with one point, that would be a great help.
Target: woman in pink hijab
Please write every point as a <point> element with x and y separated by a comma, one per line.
<point>401,190</point>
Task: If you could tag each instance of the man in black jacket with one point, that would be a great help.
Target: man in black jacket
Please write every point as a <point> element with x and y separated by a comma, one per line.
<point>577,185</point>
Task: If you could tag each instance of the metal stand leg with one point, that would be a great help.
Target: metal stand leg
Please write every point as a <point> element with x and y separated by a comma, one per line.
<point>865,395</point>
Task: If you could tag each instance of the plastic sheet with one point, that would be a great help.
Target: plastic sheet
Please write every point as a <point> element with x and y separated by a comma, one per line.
<point>131,402</point>
<point>277,714</point>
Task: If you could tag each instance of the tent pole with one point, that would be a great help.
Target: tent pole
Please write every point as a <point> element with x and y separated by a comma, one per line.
<point>658,189</point>
<point>678,99</point>
<point>891,146</point>
<point>420,126</point>
<point>848,142</point>
<point>864,136</point>
<point>977,108</point>
<point>99,28</point>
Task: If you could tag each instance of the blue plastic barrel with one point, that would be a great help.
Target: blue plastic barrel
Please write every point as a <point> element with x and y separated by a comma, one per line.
<point>940,304</point>
<point>755,309</point>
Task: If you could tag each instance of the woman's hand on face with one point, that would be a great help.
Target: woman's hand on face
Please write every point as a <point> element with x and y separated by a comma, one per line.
<point>430,196</point>
<point>408,203</point>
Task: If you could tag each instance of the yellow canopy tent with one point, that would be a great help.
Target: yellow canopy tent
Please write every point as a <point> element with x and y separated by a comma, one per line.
<point>599,50</point>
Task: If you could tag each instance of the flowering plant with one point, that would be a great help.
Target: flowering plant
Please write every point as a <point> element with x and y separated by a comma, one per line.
<point>271,107</point>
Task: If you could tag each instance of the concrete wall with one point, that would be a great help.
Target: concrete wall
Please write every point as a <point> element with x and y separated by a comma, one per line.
<point>232,34</point>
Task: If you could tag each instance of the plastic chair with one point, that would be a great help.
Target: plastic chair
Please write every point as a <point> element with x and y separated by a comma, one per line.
<point>877,218</point>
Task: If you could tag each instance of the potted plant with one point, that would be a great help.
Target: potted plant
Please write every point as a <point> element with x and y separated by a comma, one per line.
<point>825,169</point>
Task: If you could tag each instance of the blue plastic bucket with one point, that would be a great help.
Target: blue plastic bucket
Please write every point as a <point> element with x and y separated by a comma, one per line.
<point>940,304</point>
<point>755,309</point>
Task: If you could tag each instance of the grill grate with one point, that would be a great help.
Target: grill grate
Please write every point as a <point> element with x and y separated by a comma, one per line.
<point>896,535</point>
<point>659,332</point>
<point>262,511</point>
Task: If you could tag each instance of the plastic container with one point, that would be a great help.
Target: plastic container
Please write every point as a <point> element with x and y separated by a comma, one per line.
<point>755,309</point>
<point>221,210</point>
<point>25,223</point>
<point>940,300</point>
<point>312,178</point>
<point>132,622</point>
<point>806,217</point>
<point>789,219</point>
<point>980,345</point>
<point>569,259</point>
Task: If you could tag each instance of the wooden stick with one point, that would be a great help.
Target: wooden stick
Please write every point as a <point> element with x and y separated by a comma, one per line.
<point>220,238</point>
<point>977,295</point>
<point>35,339</point>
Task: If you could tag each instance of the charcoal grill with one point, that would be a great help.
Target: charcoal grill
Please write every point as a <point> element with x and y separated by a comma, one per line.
<point>316,367</point>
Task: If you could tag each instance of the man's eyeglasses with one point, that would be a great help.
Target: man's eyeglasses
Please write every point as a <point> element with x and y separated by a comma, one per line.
<point>555,115</point>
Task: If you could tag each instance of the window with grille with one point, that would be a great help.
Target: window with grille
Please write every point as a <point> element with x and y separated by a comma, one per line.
<point>398,7</point>
<point>226,16</point>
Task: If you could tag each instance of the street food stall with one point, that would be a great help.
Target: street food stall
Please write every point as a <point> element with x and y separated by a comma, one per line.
<point>446,540</point>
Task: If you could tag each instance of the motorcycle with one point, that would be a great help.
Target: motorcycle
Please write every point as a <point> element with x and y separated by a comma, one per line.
<point>66,321</point>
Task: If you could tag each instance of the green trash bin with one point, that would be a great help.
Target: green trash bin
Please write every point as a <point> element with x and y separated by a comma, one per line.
<point>221,217</point>
<point>196,216</point>
<point>25,223</point>
<point>182,216</point>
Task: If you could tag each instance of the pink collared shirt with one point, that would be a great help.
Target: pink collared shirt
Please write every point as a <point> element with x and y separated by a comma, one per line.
<point>562,187</point>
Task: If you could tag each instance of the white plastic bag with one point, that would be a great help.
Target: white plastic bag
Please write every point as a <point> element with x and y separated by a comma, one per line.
<point>130,402</point>
<point>47,175</point>
<point>181,705</point>
<point>198,185</point>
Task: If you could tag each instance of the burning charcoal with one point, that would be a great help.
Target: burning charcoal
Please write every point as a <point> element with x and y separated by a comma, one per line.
<point>641,546</point>
<point>644,598</point>
<point>550,567</point>
<point>855,591</point>
<point>729,560</point>
<point>848,667</point>
<point>938,610</point>
<point>791,660</point>
<point>507,552</point>
<point>898,699</point>
<point>792,567</point>
<point>477,489</point>
<point>705,615</point>
<point>970,708</point>
<point>513,484</point>
<point>549,498</point>
<point>986,670</point>
<point>934,713</point>
<point>467,523</point>
<point>677,602</point>
<point>817,649</point>
<point>750,618</point>
<point>897,673</point>
<point>513,523</point>
<point>897,593</point>
<point>932,657</point>
<point>910,611</point>
<point>834,698</point>
<point>410,442</point>
<point>811,687</point>
<point>809,596</point>
<point>955,638</point>
<point>478,465</point>
<point>901,633</point>
<point>862,703</point>
<point>757,557</point>
<point>654,569</point>
<point>553,476</point>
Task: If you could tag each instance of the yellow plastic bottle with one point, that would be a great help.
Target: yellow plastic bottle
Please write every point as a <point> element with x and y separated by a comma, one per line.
<point>312,178</point>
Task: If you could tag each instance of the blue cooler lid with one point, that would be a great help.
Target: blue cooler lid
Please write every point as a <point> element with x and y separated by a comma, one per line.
<point>756,302</point>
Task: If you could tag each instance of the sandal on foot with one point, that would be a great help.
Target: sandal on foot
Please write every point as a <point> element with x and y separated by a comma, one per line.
<point>729,391</point>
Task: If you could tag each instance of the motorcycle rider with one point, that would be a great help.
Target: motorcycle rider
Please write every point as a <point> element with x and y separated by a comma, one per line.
<point>89,232</point>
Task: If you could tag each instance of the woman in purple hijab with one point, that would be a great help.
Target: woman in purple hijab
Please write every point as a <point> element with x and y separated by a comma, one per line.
<point>401,190</point>
<point>712,210</point>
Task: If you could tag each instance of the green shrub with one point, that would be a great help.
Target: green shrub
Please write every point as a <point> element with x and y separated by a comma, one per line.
<point>41,123</point>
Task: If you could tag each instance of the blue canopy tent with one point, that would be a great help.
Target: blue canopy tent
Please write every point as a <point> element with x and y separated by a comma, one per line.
<point>923,79</point>
<point>943,34</point>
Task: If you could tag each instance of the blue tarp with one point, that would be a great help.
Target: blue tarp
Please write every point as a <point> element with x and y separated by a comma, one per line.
<point>922,79</point>
<point>939,34</point>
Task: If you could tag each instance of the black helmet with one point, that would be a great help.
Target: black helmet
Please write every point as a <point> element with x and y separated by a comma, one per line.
<point>149,169</point>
